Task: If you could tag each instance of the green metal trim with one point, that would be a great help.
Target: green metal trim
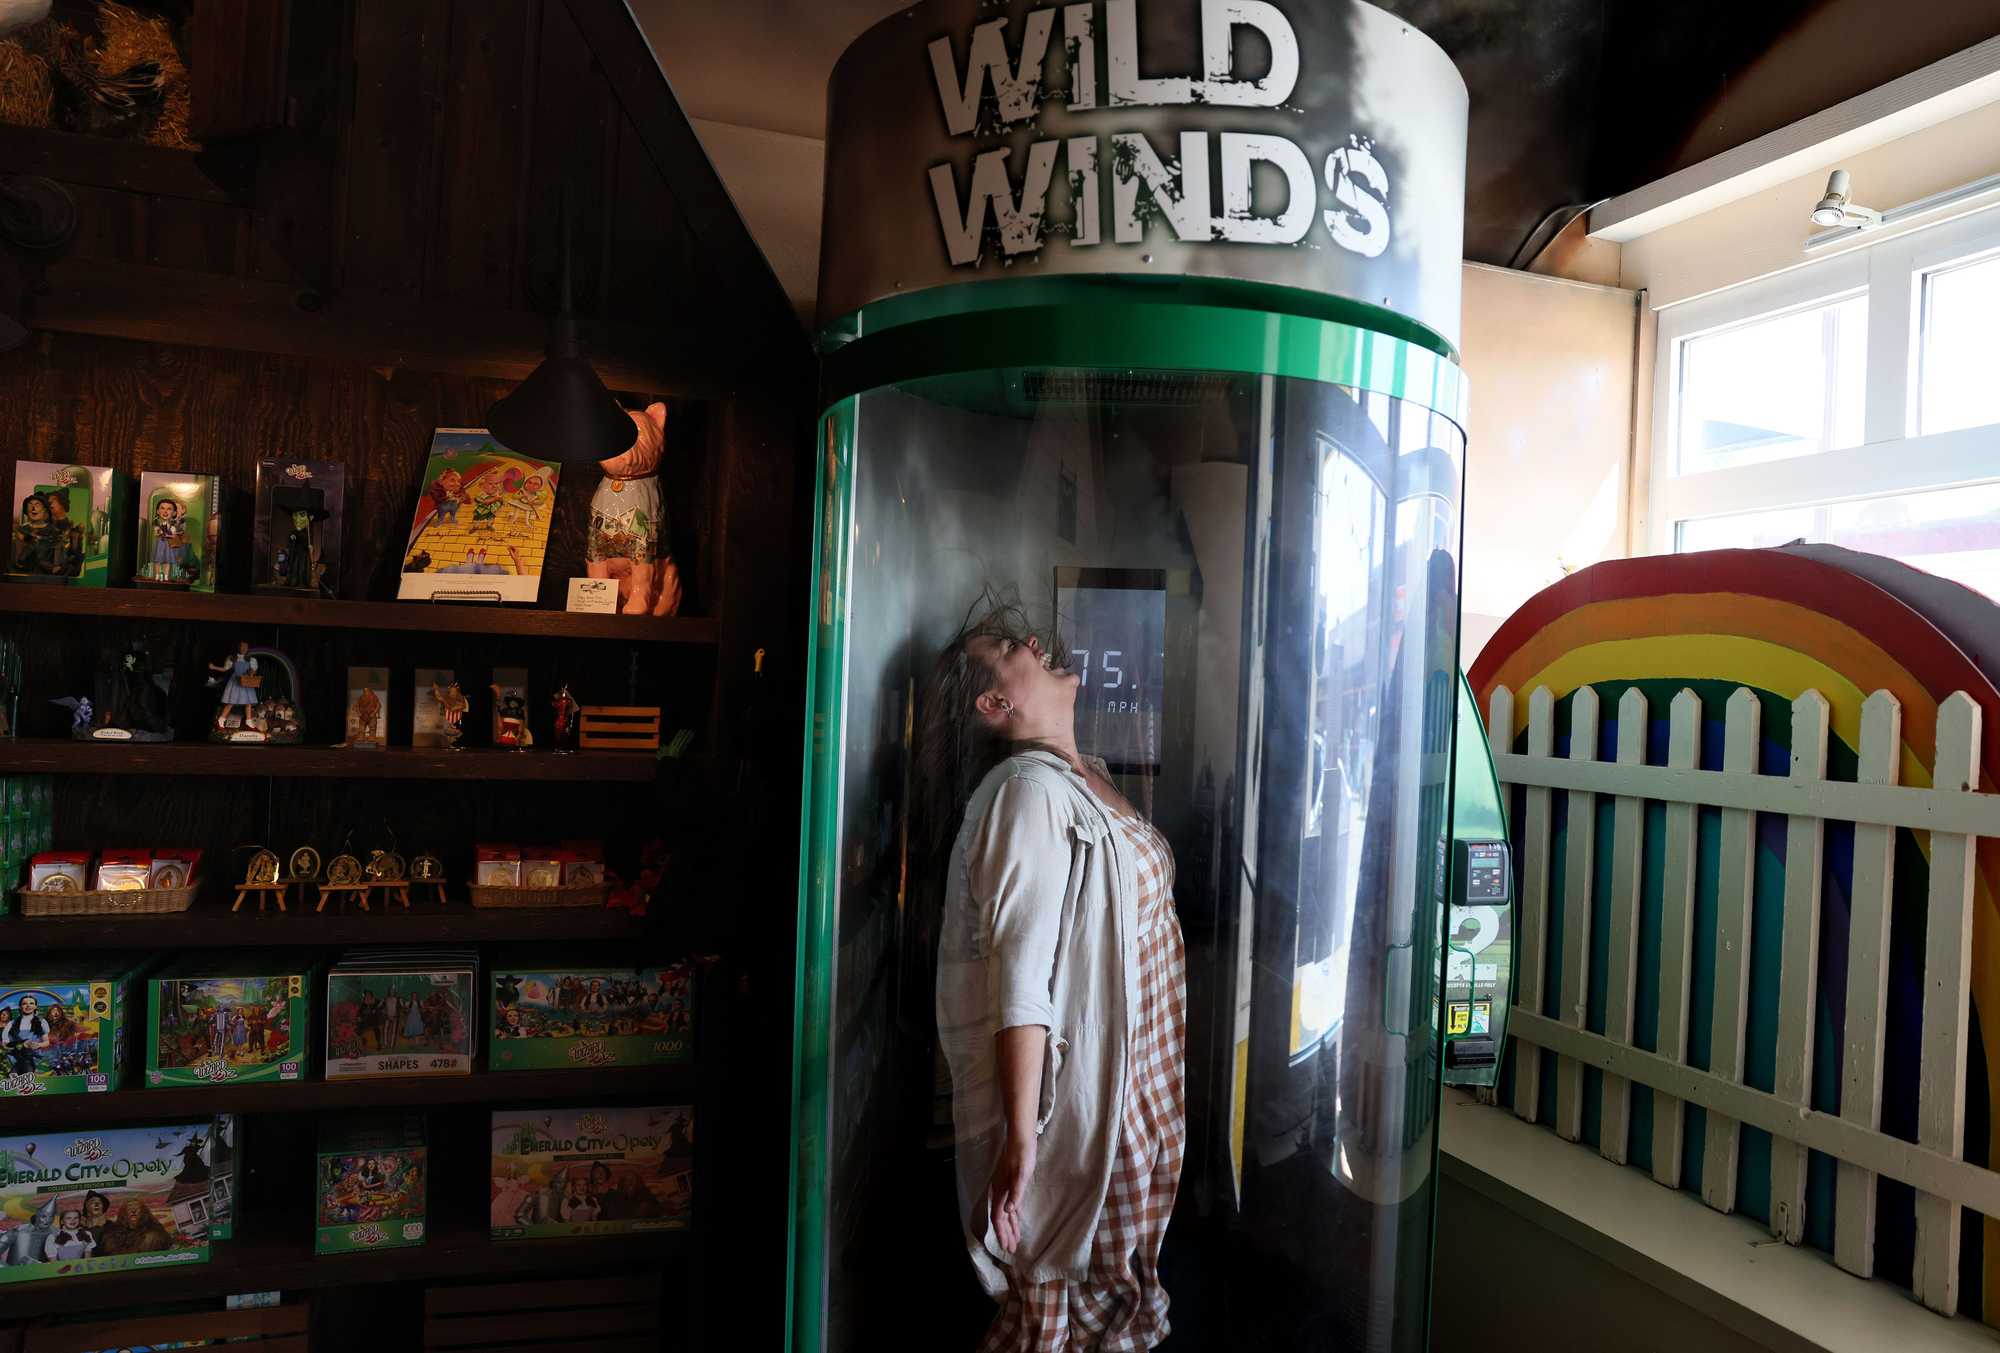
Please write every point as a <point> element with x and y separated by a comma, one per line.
<point>1227,293</point>
<point>812,996</point>
<point>1478,813</point>
<point>1125,336</point>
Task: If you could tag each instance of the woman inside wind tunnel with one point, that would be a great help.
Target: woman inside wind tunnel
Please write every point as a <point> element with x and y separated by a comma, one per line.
<point>1061,1001</point>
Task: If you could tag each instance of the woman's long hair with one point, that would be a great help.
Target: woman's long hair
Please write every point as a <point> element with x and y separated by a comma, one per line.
<point>956,746</point>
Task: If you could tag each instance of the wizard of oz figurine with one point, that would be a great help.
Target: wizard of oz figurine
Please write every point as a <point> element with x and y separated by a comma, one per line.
<point>452,705</point>
<point>568,718</point>
<point>627,520</point>
<point>237,674</point>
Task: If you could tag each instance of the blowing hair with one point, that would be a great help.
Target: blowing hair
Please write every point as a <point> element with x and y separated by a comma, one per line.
<point>957,746</point>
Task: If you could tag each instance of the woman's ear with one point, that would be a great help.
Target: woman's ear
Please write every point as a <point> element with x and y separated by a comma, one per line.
<point>991,707</point>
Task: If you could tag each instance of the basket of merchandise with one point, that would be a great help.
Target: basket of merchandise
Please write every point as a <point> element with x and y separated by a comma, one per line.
<point>539,876</point>
<point>126,883</point>
<point>104,901</point>
<point>557,895</point>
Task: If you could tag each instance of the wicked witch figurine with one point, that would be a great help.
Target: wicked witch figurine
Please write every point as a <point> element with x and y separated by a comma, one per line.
<point>131,703</point>
<point>297,563</point>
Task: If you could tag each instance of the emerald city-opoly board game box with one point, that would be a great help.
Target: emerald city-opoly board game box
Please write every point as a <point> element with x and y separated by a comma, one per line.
<point>371,1183</point>
<point>547,1015</point>
<point>571,1172</point>
<point>65,1023</point>
<point>74,1203</point>
<point>228,1018</point>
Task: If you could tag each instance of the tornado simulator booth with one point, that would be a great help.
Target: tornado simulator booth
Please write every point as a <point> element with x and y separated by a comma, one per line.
<point>1138,327</point>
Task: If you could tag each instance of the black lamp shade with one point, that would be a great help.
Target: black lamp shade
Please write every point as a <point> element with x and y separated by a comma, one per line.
<point>562,412</point>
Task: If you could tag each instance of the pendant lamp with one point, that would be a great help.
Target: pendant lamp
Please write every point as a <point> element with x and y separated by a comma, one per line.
<point>562,411</point>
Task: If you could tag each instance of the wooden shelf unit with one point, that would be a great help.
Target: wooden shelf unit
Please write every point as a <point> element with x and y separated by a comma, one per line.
<point>287,1263</point>
<point>237,608</point>
<point>210,924</point>
<point>61,756</point>
<point>170,1104</point>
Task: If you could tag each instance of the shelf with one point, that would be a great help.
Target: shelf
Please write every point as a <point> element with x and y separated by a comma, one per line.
<point>672,1084</point>
<point>210,924</point>
<point>265,1264</point>
<point>60,756</point>
<point>132,603</point>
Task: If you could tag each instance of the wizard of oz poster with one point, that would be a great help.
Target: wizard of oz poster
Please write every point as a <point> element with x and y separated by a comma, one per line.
<point>481,530</point>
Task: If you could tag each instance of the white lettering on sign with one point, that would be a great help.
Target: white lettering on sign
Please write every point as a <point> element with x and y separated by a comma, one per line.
<point>997,88</point>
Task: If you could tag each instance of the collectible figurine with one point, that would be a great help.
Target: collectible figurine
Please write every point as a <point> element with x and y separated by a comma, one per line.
<point>297,563</point>
<point>626,523</point>
<point>567,719</point>
<point>452,704</point>
<point>170,542</point>
<point>510,708</point>
<point>130,703</point>
<point>251,708</point>
<point>64,530</point>
<point>239,691</point>
<point>296,532</point>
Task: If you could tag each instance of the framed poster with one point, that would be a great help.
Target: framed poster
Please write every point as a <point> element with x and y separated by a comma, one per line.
<point>481,529</point>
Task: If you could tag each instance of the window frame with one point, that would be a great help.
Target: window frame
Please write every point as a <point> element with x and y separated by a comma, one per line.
<point>1892,457</point>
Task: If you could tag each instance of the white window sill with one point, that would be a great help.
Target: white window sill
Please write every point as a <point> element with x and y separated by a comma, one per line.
<point>1729,1269</point>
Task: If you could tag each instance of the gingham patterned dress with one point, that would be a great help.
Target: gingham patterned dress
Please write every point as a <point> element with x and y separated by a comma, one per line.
<point>1121,1305</point>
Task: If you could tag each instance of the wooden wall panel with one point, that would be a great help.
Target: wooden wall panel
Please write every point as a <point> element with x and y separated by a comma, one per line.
<point>575,143</point>
<point>488,118</point>
<point>400,56</point>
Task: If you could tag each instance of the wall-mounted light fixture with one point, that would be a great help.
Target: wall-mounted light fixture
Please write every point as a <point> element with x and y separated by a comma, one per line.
<point>1842,220</point>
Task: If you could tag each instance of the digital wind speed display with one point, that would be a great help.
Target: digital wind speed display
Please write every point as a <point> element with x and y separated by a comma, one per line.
<point>1115,622</point>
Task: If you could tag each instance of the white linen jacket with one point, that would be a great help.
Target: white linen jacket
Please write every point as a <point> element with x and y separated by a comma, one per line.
<point>1039,928</point>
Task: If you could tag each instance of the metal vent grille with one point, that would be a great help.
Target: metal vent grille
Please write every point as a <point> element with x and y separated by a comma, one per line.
<point>1170,388</point>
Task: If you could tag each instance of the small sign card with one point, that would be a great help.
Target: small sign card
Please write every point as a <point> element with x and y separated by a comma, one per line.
<point>596,596</point>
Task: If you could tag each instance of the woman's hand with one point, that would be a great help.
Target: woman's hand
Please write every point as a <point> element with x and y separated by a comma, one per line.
<point>1012,1173</point>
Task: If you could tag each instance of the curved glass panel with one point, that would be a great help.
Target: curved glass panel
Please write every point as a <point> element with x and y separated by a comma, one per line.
<point>1254,579</point>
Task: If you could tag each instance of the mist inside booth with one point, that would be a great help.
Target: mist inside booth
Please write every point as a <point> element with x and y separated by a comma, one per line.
<point>1254,578</point>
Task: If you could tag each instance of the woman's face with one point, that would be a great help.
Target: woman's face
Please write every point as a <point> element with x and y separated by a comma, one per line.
<point>1040,696</point>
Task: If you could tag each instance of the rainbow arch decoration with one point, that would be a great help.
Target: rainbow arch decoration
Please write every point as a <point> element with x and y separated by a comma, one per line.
<point>1780,622</point>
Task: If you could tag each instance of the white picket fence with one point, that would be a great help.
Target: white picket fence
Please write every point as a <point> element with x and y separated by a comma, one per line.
<point>1950,815</point>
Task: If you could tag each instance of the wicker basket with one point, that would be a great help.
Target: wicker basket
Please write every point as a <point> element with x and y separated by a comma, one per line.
<point>106,902</point>
<point>569,895</point>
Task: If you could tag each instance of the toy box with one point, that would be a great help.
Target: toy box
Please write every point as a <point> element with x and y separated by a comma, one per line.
<point>65,1023</point>
<point>296,537</point>
<point>180,527</point>
<point>69,524</point>
<point>370,1185</point>
<point>402,1012</point>
<point>575,1172</point>
<point>562,1016</point>
<point>74,1203</point>
<point>228,1018</point>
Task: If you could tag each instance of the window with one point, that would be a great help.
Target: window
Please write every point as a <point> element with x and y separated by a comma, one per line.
<point>1853,401</point>
<point>1961,309</point>
<point>1785,386</point>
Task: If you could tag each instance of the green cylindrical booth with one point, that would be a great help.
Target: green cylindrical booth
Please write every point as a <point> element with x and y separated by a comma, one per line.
<point>1141,314</point>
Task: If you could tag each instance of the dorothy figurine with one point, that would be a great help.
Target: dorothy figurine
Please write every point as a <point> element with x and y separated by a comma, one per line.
<point>170,541</point>
<point>239,691</point>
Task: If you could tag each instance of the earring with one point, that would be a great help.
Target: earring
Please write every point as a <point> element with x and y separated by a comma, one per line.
<point>1007,709</point>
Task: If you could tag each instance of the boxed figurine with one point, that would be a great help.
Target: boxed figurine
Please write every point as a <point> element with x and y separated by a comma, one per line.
<point>591,1171</point>
<point>296,537</point>
<point>545,1015</point>
<point>180,524</point>
<point>69,524</point>
<point>228,1017</point>
<point>370,1184</point>
<point>65,1022</point>
<point>74,1203</point>
<point>401,1012</point>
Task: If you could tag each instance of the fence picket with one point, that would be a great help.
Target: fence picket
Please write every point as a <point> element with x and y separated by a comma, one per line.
<point>1627,867</point>
<point>1867,985</point>
<point>1947,970</point>
<point>1676,936</point>
<point>1735,869</point>
<point>1535,830</point>
<point>1579,872</point>
<point>1798,971</point>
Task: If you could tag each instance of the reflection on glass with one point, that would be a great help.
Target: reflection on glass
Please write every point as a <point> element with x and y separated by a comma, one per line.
<point>1954,533</point>
<point>1255,581</point>
<point>1958,386</point>
<point>1791,385</point>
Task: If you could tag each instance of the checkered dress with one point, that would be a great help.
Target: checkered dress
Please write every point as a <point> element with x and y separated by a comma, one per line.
<point>1121,1305</point>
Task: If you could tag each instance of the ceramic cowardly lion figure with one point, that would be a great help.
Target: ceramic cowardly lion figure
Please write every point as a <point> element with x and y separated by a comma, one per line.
<point>627,522</point>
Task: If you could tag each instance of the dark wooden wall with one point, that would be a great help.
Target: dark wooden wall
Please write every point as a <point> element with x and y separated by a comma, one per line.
<point>381,263</point>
